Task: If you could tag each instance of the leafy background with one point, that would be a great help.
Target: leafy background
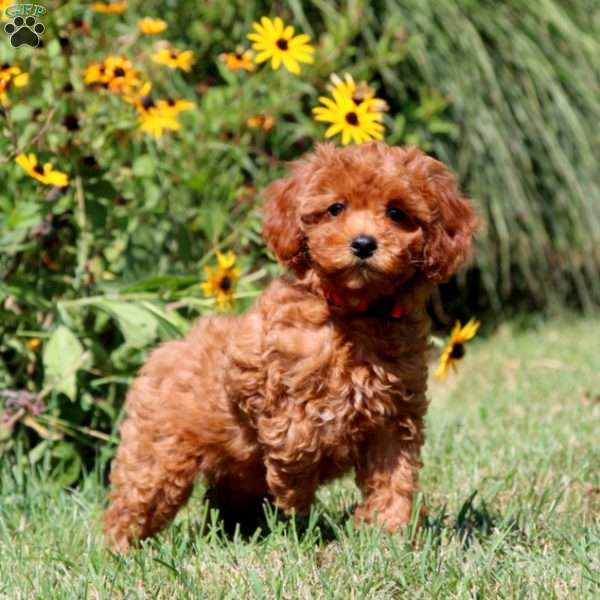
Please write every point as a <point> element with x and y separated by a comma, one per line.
<point>93,276</point>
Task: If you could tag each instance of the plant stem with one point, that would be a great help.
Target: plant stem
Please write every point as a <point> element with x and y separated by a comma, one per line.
<point>83,242</point>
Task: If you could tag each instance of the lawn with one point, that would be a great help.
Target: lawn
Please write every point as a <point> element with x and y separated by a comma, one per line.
<point>511,477</point>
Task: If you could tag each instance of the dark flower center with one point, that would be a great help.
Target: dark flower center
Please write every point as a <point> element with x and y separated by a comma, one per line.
<point>238,55</point>
<point>174,54</point>
<point>71,123</point>
<point>119,72</point>
<point>5,66</point>
<point>39,169</point>
<point>147,102</point>
<point>282,44</point>
<point>357,100</point>
<point>171,102</point>
<point>458,351</point>
<point>225,284</point>
<point>352,118</point>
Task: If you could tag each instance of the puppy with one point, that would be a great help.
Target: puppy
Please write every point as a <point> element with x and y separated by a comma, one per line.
<point>326,373</point>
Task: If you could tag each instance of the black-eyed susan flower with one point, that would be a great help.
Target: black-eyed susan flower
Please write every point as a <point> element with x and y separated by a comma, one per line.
<point>275,41</point>
<point>240,60</point>
<point>263,121</point>
<point>110,8</point>
<point>356,123</point>
<point>150,26</point>
<point>221,280</point>
<point>120,75</point>
<point>455,348</point>
<point>43,173</point>
<point>11,75</point>
<point>155,121</point>
<point>115,73</point>
<point>173,58</point>
<point>157,116</point>
<point>94,73</point>
<point>360,93</point>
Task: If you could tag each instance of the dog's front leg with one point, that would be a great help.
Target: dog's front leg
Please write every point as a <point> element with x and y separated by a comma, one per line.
<point>387,473</point>
<point>292,461</point>
<point>292,484</point>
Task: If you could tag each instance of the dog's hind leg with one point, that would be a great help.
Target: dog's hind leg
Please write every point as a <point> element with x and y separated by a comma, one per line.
<point>151,480</point>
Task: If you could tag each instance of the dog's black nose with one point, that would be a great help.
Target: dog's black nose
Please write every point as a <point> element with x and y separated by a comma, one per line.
<point>363,246</point>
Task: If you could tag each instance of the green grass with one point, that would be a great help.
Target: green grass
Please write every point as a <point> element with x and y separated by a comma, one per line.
<point>511,476</point>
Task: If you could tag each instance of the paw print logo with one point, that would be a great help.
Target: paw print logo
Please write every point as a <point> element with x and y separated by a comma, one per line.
<point>24,32</point>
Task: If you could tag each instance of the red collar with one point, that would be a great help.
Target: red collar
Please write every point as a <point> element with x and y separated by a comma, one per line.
<point>359,303</point>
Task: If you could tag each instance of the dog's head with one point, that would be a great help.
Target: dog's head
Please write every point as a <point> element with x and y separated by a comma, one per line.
<point>369,217</point>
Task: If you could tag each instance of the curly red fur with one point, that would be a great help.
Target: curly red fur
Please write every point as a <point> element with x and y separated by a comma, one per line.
<point>300,389</point>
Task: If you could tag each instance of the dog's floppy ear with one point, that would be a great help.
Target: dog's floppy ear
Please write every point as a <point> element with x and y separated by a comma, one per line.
<point>449,236</point>
<point>281,220</point>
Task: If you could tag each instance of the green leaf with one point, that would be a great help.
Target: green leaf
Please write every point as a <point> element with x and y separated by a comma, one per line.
<point>144,166</point>
<point>20,112</point>
<point>68,467</point>
<point>138,326</point>
<point>102,189</point>
<point>161,283</point>
<point>62,354</point>
<point>37,452</point>
<point>171,324</point>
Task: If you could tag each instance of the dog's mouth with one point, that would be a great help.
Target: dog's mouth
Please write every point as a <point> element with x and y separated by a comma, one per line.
<point>365,278</point>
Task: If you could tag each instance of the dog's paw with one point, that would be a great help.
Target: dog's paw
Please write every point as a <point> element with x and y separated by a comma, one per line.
<point>24,32</point>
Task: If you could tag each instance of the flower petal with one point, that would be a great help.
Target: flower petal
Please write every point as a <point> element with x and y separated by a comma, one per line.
<point>263,56</point>
<point>290,64</point>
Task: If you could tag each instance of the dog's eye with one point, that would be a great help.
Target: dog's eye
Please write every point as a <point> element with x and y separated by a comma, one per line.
<point>335,209</point>
<point>396,214</point>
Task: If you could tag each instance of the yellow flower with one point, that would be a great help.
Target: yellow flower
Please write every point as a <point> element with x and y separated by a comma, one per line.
<point>4,4</point>
<point>45,174</point>
<point>359,93</point>
<point>110,7</point>
<point>221,280</point>
<point>151,26</point>
<point>173,58</point>
<point>21,80</point>
<point>11,75</point>
<point>94,73</point>
<point>156,117</point>
<point>120,76</point>
<point>116,74</point>
<point>240,60</point>
<point>34,343</point>
<point>139,95</point>
<point>8,71</point>
<point>355,123</point>
<point>262,121</point>
<point>455,349</point>
<point>275,42</point>
<point>154,121</point>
